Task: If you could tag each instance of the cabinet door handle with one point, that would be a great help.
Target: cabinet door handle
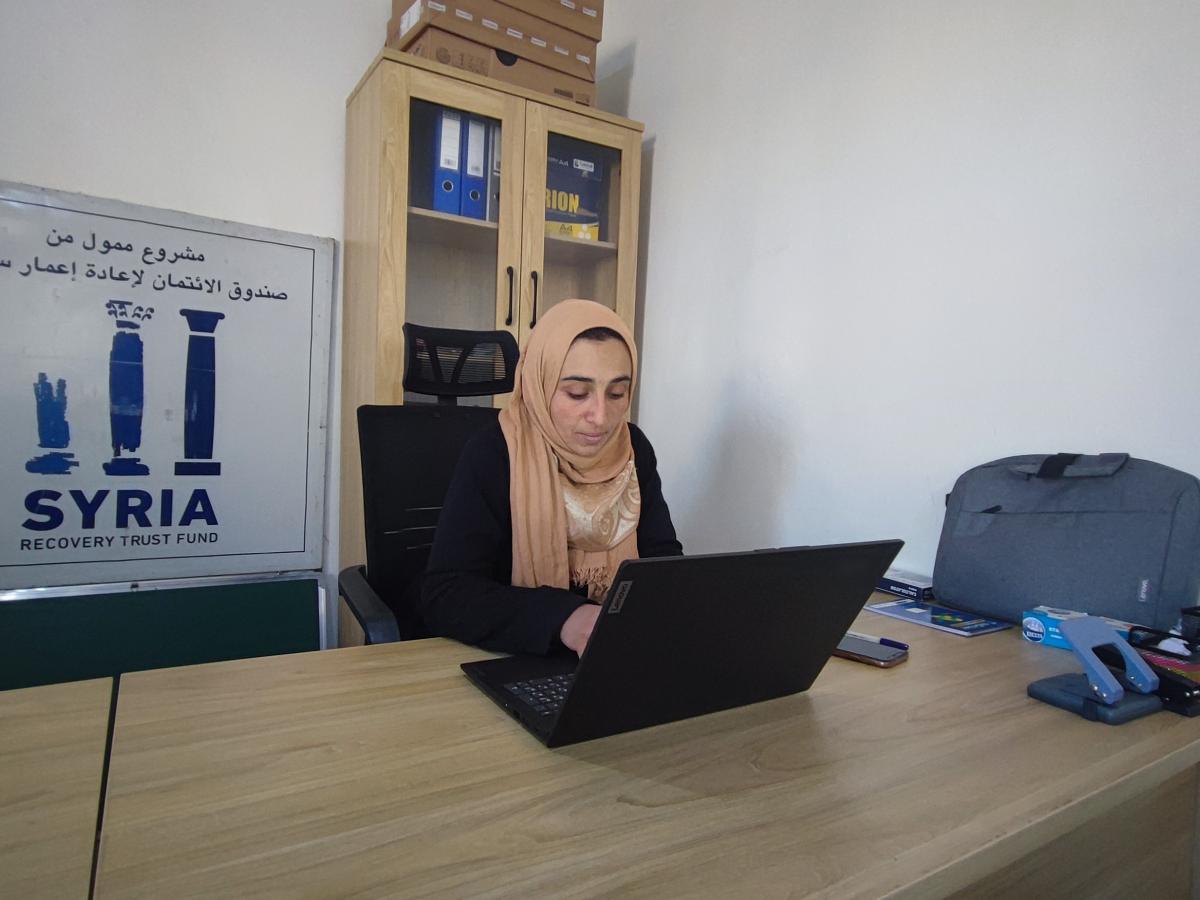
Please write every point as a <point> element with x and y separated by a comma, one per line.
<point>508,318</point>
<point>533,318</point>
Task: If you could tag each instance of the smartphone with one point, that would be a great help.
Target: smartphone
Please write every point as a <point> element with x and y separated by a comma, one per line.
<point>869,652</point>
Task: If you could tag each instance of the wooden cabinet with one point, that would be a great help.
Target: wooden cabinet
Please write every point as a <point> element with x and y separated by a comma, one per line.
<point>405,261</point>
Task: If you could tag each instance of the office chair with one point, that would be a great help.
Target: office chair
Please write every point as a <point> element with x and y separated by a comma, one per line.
<point>409,454</point>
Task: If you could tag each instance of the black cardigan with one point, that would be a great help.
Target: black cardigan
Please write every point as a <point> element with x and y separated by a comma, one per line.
<point>467,590</point>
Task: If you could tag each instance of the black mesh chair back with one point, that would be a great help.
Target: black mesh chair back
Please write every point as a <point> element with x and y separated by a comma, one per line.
<point>409,454</point>
<point>408,458</point>
<point>448,363</point>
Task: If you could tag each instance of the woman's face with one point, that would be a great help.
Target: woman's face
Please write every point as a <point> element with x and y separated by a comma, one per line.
<point>592,396</point>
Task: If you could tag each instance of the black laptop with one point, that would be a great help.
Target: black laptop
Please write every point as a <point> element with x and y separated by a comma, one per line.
<point>686,635</point>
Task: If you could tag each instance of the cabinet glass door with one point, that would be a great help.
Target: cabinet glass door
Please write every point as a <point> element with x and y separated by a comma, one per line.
<point>582,176</point>
<point>462,248</point>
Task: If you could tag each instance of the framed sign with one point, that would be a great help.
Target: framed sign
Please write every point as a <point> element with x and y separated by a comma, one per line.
<point>163,396</point>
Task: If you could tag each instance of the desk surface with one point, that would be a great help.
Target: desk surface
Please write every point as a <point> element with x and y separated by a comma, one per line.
<point>51,762</point>
<point>380,770</point>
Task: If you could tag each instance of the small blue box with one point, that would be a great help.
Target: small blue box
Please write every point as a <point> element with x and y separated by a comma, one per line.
<point>1040,625</point>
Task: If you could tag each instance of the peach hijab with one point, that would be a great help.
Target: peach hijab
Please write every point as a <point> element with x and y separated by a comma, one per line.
<point>574,518</point>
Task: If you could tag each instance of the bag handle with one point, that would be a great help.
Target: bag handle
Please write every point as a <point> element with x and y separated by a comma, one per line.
<point>1073,465</point>
<point>1054,466</point>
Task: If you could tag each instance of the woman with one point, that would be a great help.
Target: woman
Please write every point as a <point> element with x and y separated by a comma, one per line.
<point>546,504</point>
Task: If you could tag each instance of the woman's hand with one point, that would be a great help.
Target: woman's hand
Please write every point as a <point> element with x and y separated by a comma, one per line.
<point>577,630</point>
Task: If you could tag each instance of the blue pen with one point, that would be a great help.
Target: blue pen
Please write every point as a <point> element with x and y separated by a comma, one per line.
<point>887,642</point>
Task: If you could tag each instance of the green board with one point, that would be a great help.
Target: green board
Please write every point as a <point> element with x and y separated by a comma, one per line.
<point>52,639</point>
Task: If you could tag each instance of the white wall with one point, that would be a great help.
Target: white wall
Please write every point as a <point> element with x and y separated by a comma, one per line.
<point>234,110</point>
<point>888,241</point>
<point>228,109</point>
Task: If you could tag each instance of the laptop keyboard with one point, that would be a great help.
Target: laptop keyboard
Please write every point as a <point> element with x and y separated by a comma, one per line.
<point>544,695</point>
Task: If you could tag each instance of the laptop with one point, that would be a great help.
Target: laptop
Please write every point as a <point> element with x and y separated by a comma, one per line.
<point>682,636</point>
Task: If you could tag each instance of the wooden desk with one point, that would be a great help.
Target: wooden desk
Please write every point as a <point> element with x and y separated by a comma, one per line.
<point>51,761</point>
<point>379,771</point>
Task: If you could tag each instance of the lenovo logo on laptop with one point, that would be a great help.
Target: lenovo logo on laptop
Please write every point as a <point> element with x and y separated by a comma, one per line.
<point>619,596</point>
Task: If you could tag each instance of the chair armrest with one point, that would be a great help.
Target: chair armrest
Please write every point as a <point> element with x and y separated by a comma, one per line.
<point>377,621</point>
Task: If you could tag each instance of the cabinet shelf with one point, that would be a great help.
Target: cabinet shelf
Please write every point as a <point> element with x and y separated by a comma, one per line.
<point>574,251</point>
<point>427,226</point>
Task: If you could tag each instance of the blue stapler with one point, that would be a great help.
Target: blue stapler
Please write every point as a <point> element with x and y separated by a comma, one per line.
<point>1097,694</point>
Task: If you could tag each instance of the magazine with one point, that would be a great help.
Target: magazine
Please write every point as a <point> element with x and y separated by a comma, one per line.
<point>940,617</point>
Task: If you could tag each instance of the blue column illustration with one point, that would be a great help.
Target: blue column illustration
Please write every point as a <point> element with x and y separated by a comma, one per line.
<point>200,394</point>
<point>53,431</point>
<point>126,387</point>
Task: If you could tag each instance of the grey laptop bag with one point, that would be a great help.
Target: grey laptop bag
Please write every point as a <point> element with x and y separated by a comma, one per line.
<point>1109,535</point>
